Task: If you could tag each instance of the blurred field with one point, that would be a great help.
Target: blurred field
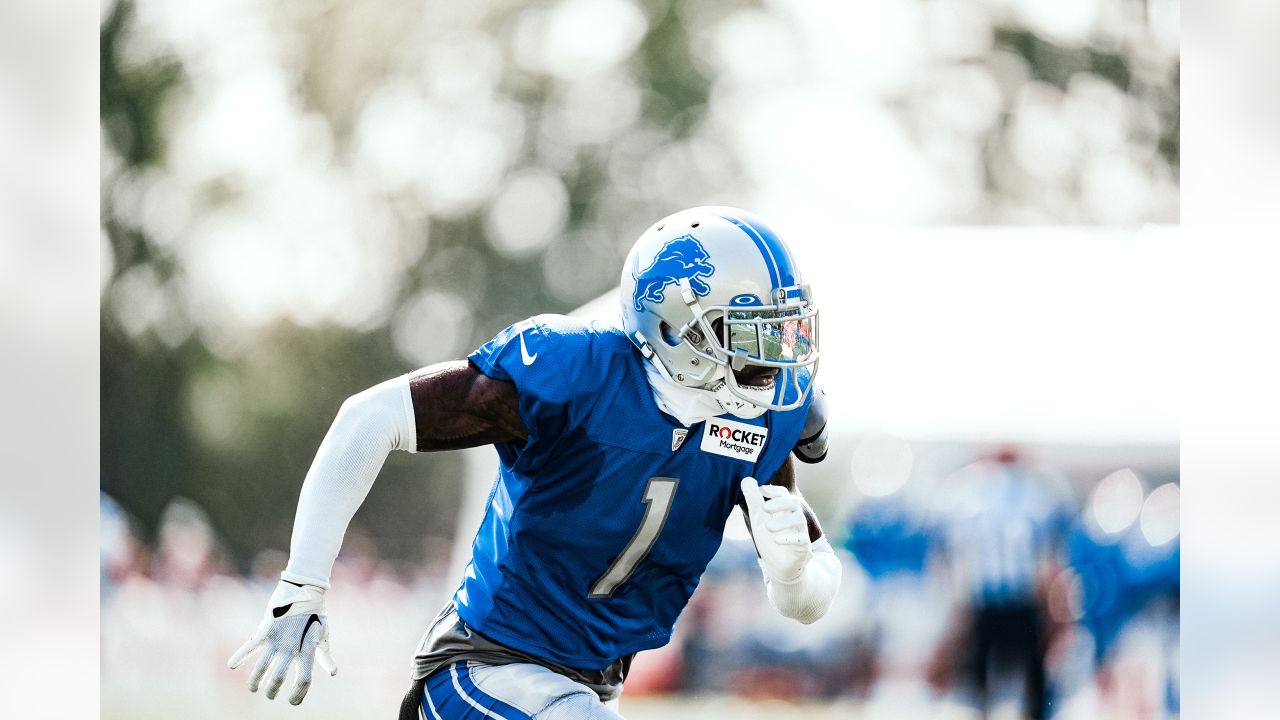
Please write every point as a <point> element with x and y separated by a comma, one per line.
<point>700,707</point>
<point>695,707</point>
<point>172,612</point>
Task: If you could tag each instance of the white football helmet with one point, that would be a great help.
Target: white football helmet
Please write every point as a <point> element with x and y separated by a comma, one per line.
<point>713,289</point>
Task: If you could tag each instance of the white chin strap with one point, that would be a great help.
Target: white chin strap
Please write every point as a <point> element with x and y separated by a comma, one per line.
<point>735,405</point>
<point>693,405</point>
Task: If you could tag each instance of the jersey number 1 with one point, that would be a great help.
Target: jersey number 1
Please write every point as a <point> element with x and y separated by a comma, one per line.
<point>658,495</point>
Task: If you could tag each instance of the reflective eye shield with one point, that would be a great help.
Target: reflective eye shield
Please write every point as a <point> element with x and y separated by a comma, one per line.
<point>780,330</point>
<point>771,336</point>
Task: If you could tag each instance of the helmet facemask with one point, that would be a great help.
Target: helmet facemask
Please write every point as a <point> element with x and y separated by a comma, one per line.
<point>781,335</point>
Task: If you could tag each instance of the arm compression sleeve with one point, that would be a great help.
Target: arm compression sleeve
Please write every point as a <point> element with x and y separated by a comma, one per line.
<point>368,427</point>
<point>809,596</point>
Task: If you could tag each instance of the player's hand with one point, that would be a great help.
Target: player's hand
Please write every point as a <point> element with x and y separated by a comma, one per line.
<point>294,628</point>
<point>779,529</point>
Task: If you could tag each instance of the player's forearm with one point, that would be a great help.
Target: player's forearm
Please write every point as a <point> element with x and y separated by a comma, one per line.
<point>809,596</point>
<point>367,428</point>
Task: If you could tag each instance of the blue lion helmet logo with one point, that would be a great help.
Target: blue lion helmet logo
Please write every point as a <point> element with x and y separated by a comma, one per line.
<point>683,257</point>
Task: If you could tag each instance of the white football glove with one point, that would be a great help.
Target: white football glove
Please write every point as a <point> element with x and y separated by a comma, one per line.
<point>294,628</point>
<point>779,529</point>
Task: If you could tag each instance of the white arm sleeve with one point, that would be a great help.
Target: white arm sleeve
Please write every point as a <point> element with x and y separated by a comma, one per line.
<point>368,427</point>
<point>809,596</point>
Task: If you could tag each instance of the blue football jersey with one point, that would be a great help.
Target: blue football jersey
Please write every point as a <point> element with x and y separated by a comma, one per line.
<point>599,526</point>
<point>886,538</point>
<point>1014,520</point>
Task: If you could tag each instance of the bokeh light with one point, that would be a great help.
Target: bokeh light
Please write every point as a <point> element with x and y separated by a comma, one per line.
<point>432,327</point>
<point>881,465</point>
<point>578,39</point>
<point>529,210</point>
<point>1161,515</point>
<point>1116,501</point>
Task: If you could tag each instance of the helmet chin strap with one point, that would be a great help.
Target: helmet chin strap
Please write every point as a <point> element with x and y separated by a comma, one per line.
<point>734,402</point>
<point>693,405</point>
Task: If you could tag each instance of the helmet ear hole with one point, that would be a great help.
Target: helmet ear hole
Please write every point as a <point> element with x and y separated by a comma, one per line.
<point>669,335</point>
<point>717,327</point>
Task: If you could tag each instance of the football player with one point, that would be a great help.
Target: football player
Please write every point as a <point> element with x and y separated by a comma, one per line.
<point>622,453</point>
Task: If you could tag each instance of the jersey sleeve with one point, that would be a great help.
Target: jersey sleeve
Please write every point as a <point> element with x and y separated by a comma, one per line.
<point>548,358</point>
<point>812,445</point>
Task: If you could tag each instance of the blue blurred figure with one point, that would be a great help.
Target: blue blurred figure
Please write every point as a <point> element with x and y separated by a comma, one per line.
<point>889,534</point>
<point>117,547</point>
<point>1124,564</point>
<point>890,537</point>
<point>1001,530</point>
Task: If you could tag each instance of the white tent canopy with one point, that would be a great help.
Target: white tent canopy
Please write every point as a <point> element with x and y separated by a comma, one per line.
<point>1051,335</point>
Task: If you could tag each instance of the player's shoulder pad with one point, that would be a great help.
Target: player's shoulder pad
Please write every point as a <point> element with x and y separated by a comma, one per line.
<point>555,357</point>
<point>576,336</point>
<point>812,446</point>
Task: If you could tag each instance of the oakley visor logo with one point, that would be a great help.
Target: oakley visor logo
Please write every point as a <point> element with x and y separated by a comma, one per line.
<point>681,258</point>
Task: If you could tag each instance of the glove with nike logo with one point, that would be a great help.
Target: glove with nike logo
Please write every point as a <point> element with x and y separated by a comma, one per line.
<point>294,628</point>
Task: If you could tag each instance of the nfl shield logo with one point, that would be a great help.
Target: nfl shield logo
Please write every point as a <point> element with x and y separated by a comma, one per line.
<point>677,437</point>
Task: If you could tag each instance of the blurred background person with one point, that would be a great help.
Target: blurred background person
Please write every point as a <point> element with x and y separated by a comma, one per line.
<point>892,535</point>
<point>1004,522</point>
<point>120,553</point>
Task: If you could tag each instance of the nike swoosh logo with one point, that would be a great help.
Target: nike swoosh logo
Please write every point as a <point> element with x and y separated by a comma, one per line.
<point>524,352</point>
<point>313,619</point>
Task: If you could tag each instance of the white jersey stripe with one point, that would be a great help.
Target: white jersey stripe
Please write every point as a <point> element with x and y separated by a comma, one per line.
<point>426,692</point>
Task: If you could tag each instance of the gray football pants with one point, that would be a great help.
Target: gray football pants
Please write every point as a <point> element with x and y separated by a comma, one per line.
<point>518,691</point>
